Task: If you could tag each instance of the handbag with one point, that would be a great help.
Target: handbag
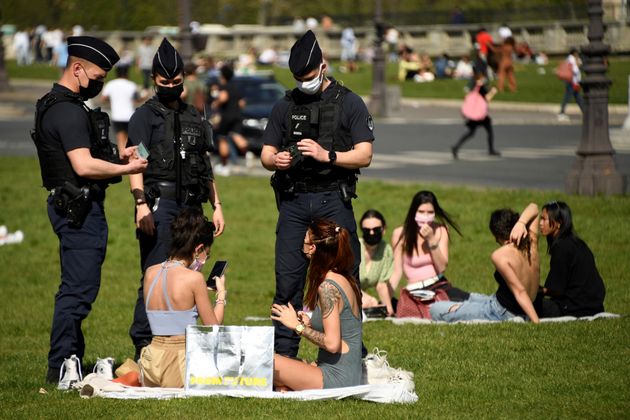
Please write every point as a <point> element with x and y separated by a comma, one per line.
<point>220,358</point>
<point>475,106</point>
<point>411,306</point>
<point>564,71</point>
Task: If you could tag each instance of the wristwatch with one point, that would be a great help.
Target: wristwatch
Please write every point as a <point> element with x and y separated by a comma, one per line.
<point>332,157</point>
<point>299,328</point>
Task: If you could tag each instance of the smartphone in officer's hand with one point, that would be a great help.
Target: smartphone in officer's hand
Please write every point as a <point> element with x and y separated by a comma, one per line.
<point>217,271</point>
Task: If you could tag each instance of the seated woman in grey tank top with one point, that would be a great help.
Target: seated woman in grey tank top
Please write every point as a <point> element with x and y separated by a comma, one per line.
<point>335,326</point>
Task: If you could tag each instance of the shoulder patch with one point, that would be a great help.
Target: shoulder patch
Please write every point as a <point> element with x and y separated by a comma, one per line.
<point>370,123</point>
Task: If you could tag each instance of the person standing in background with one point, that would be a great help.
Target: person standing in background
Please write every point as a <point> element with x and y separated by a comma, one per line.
<point>122,94</point>
<point>144,60</point>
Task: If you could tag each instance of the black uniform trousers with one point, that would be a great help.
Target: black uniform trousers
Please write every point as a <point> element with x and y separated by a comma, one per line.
<point>81,255</point>
<point>297,211</point>
<point>153,250</point>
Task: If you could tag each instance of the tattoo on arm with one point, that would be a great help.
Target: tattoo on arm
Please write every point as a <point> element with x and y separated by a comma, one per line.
<point>328,296</point>
<point>314,336</point>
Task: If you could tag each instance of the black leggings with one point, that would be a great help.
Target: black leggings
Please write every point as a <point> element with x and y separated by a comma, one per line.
<point>472,127</point>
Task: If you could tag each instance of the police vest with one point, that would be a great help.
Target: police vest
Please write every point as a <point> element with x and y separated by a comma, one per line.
<point>319,120</point>
<point>55,166</point>
<point>187,141</point>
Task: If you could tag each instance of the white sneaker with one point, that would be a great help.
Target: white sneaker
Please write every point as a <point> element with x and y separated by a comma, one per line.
<point>250,159</point>
<point>105,368</point>
<point>376,370</point>
<point>70,373</point>
<point>563,117</point>
<point>221,170</point>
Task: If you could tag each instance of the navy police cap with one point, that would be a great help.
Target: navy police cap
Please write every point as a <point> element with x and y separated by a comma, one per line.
<point>93,50</point>
<point>305,55</point>
<point>167,62</point>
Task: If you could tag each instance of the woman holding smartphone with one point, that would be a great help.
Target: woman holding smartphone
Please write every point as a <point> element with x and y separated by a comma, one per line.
<point>176,295</point>
<point>335,325</point>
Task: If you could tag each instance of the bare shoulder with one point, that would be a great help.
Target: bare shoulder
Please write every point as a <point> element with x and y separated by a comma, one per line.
<point>503,254</point>
<point>442,229</point>
<point>396,234</point>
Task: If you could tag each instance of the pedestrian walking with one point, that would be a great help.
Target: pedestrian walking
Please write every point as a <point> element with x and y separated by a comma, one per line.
<point>475,111</point>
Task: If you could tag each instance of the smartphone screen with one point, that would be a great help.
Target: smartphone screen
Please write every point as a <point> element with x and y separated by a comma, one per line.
<point>217,271</point>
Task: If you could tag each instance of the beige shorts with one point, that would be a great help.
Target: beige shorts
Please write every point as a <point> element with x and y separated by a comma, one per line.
<point>163,362</point>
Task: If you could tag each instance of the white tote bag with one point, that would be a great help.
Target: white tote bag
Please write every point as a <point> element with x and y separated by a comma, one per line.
<point>229,358</point>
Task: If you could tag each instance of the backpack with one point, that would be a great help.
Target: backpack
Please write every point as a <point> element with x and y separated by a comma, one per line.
<point>475,106</point>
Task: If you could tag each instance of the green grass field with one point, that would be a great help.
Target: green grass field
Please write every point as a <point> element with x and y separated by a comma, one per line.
<point>569,370</point>
<point>532,85</point>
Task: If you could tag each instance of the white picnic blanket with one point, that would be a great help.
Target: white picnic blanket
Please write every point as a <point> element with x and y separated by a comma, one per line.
<point>96,386</point>
<point>400,321</point>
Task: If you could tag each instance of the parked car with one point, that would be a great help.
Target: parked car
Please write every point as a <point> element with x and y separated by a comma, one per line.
<point>260,92</point>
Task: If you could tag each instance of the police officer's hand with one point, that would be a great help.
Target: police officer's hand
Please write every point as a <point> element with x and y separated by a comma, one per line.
<point>282,160</point>
<point>137,166</point>
<point>310,147</point>
<point>129,153</point>
<point>144,219</point>
<point>217,219</point>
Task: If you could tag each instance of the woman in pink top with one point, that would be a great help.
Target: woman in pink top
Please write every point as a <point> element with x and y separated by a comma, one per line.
<point>421,247</point>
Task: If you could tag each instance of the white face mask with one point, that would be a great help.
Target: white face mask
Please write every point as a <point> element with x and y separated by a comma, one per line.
<point>312,86</point>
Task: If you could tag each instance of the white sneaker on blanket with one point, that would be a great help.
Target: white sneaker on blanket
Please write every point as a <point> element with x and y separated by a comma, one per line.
<point>70,373</point>
<point>376,370</point>
<point>105,368</point>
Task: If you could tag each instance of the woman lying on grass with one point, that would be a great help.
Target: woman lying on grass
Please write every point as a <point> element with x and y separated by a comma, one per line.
<point>517,273</point>
<point>175,294</point>
<point>335,325</point>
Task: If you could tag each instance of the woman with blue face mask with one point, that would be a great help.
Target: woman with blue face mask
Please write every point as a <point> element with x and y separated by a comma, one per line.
<point>175,295</point>
<point>421,247</point>
<point>377,262</point>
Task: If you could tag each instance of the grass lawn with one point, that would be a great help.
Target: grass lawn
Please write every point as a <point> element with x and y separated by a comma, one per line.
<point>532,85</point>
<point>568,370</point>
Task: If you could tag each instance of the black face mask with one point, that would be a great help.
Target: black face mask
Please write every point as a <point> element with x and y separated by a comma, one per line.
<point>372,236</point>
<point>169,93</point>
<point>93,88</point>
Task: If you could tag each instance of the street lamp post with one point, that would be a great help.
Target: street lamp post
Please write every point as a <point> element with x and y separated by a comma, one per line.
<point>185,37</point>
<point>594,170</point>
<point>4,77</point>
<point>378,97</point>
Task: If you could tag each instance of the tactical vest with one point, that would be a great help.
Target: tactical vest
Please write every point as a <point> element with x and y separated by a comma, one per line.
<point>187,140</point>
<point>55,166</point>
<point>321,121</point>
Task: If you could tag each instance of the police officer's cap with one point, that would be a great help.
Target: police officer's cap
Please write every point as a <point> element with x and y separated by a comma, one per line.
<point>167,62</point>
<point>93,50</point>
<point>305,55</point>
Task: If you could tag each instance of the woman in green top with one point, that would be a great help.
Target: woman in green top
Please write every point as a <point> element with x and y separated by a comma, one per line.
<point>377,261</point>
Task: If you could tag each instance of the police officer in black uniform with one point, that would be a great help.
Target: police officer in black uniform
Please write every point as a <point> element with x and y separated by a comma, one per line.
<point>179,174</point>
<point>77,164</point>
<point>316,140</point>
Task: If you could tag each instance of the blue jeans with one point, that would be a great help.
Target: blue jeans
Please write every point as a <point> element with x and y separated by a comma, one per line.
<point>478,306</point>
<point>568,93</point>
